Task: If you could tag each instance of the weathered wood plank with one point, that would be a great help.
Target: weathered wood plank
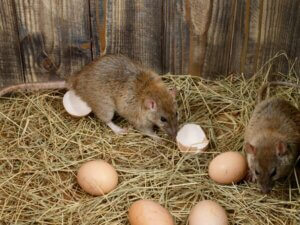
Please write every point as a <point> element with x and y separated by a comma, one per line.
<point>176,41</point>
<point>210,38</point>
<point>10,55</point>
<point>280,31</point>
<point>218,37</point>
<point>198,36</point>
<point>55,37</point>
<point>132,28</point>
<point>263,29</point>
<point>247,34</point>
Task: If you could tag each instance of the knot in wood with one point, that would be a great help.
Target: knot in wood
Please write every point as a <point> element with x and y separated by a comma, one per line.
<point>47,64</point>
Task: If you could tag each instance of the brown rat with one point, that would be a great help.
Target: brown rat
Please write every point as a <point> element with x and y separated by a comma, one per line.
<point>114,83</point>
<point>272,139</point>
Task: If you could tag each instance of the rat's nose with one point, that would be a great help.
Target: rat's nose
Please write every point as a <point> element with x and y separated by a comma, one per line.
<point>266,189</point>
<point>172,132</point>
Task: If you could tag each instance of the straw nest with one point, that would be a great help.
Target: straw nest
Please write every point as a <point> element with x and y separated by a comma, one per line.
<point>42,147</point>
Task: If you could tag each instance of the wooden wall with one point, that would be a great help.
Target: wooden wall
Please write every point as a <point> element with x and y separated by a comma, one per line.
<point>47,40</point>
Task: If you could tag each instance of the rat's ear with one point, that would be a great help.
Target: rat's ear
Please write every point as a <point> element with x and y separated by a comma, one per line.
<point>150,104</point>
<point>250,148</point>
<point>173,92</point>
<point>281,148</point>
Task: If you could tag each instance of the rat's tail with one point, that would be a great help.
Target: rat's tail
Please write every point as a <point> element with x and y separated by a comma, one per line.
<point>264,87</point>
<point>34,86</point>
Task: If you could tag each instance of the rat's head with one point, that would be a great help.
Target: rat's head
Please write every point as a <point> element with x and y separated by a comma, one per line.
<point>268,162</point>
<point>161,110</point>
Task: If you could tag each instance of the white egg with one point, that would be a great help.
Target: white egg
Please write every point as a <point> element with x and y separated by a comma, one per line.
<point>74,105</point>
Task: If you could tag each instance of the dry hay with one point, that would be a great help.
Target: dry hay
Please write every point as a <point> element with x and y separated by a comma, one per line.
<point>42,148</point>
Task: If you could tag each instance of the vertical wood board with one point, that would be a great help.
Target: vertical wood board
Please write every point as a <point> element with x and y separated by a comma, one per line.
<point>55,37</point>
<point>213,38</point>
<point>176,42</point>
<point>10,54</point>
<point>132,28</point>
<point>48,40</point>
<point>280,31</point>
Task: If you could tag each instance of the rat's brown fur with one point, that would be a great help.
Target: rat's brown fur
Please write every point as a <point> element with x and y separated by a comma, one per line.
<point>272,141</point>
<point>114,83</point>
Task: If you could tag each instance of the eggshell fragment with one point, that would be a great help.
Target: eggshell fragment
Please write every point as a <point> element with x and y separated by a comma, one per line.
<point>191,139</point>
<point>74,105</point>
<point>228,167</point>
<point>147,212</point>
<point>208,212</point>
<point>97,177</point>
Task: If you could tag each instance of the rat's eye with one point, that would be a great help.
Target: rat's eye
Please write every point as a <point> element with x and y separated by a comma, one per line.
<point>256,173</point>
<point>163,119</point>
<point>273,173</point>
<point>289,146</point>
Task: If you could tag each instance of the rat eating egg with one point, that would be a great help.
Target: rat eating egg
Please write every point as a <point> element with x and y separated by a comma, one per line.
<point>228,167</point>
<point>74,105</point>
<point>97,177</point>
<point>147,212</point>
<point>208,212</point>
<point>191,139</point>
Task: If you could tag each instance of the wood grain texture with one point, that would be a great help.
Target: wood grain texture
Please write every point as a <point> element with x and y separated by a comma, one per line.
<point>48,40</point>
<point>263,29</point>
<point>132,28</point>
<point>246,40</point>
<point>54,37</point>
<point>214,38</point>
<point>280,31</point>
<point>176,41</point>
<point>198,36</point>
<point>10,54</point>
<point>219,43</point>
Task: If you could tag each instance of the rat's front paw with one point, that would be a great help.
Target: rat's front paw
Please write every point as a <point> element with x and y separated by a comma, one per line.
<point>152,135</point>
<point>250,176</point>
<point>122,131</point>
<point>157,139</point>
<point>116,129</point>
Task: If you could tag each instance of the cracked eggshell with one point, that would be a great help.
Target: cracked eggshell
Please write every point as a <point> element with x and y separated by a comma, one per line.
<point>97,177</point>
<point>148,212</point>
<point>191,139</point>
<point>228,167</point>
<point>74,105</point>
<point>208,212</point>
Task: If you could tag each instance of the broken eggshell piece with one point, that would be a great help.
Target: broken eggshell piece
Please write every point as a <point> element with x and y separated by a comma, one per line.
<point>74,105</point>
<point>191,139</point>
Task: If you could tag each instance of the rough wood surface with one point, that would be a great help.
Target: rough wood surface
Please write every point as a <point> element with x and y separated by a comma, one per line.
<point>10,54</point>
<point>217,37</point>
<point>280,30</point>
<point>55,37</point>
<point>198,36</point>
<point>263,29</point>
<point>176,38</point>
<point>133,28</point>
<point>48,40</point>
